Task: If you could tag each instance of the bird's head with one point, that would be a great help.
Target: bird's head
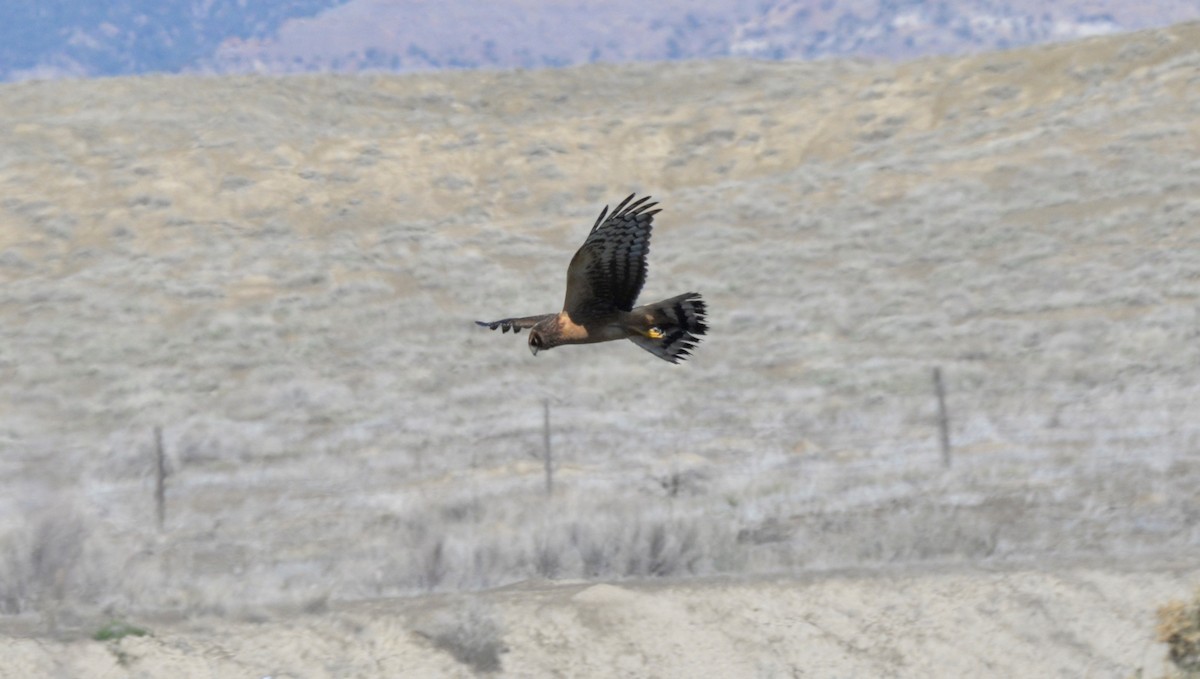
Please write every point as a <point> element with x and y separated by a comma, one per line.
<point>543,335</point>
<point>536,342</point>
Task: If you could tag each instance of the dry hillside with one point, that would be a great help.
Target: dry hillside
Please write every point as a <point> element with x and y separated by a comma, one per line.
<point>282,274</point>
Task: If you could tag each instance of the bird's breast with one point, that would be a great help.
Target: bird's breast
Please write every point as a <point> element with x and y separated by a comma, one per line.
<point>598,330</point>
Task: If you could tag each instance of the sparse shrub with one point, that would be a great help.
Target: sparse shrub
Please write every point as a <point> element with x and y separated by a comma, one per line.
<point>663,549</point>
<point>673,548</point>
<point>1179,629</point>
<point>644,548</point>
<point>16,576</point>
<point>593,556</point>
<point>316,605</point>
<point>487,564</point>
<point>469,633</point>
<point>688,481</point>
<point>39,564</point>
<point>118,629</point>
<point>547,558</point>
<point>433,566</point>
<point>467,511</point>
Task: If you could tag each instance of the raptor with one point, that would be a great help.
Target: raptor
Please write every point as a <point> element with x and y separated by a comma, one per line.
<point>603,282</point>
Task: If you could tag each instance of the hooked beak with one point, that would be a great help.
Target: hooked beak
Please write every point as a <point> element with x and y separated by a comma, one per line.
<point>533,350</point>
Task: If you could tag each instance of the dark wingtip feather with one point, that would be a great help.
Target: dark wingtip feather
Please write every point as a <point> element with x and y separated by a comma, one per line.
<point>638,205</point>
<point>600,219</point>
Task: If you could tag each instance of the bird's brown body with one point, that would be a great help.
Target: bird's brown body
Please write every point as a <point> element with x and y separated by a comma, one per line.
<point>603,281</point>
<point>620,325</point>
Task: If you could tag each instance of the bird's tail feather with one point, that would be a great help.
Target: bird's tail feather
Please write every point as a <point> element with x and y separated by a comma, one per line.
<point>677,324</point>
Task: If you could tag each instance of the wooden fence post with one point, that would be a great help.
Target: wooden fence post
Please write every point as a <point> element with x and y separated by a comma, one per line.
<point>547,455</point>
<point>943,416</point>
<point>160,482</point>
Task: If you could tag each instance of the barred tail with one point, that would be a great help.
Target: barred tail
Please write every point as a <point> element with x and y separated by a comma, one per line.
<point>680,322</point>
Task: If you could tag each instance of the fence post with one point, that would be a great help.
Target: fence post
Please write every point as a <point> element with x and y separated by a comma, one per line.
<point>943,416</point>
<point>547,455</point>
<point>160,482</point>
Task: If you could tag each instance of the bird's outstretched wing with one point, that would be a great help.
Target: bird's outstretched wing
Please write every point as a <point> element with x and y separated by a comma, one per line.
<point>514,324</point>
<point>608,271</point>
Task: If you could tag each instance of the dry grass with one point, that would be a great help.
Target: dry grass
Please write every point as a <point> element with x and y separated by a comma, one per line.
<point>1179,629</point>
<point>286,285</point>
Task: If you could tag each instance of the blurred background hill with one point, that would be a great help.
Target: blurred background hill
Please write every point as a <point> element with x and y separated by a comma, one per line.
<point>126,37</point>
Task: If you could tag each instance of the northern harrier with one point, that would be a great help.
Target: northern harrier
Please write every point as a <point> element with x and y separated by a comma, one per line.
<point>603,281</point>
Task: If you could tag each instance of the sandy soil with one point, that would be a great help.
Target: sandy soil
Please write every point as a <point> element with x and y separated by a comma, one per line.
<point>1073,622</point>
<point>282,274</point>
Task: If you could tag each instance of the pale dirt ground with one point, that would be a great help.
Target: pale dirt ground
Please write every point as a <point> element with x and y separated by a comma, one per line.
<point>281,272</point>
<point>1075,622</point>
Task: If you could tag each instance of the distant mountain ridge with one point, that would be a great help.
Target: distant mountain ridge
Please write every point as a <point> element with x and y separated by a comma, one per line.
<point>128,37</point>
<point>46,40</point>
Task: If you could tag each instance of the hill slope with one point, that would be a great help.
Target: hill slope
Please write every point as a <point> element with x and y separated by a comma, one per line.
<point>282,273</point>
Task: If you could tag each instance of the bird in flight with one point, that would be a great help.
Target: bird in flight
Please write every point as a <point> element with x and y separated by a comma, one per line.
<point>603,282</point>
